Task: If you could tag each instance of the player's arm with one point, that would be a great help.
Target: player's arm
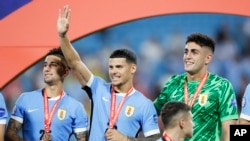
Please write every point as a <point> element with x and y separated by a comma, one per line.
<point>12,131</point>
<point>80,70</point>
<point>115,135</point>
<point>225,136</point>
<point>81,136</point>
<point>244,121</point>
<point>149,138</point>
<point>2,130</point>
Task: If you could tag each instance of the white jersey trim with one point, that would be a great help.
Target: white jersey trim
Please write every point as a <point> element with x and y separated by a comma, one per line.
<point>17,119</point>
<point>247,117</point>
<point>77,130</point>
<point>57,97</point>
<point>90,80</point>
<point>152,132</point>
<point>3,121</point>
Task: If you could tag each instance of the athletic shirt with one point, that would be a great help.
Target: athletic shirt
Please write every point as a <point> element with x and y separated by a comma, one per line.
<point>215,103</point>
<point>137,113</point>
<point>245,112</point>
<point>69,117</point>
<point>3,110</point>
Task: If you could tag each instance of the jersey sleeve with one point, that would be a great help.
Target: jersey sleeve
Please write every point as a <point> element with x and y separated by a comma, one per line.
<point>149,120</point>
<point>80,123</point>
<point>245,104</point>
<point>97,86</point>
<point>228,104</point>
<point>163,96</point>
<point>3,110</point>
<point>18,110</point>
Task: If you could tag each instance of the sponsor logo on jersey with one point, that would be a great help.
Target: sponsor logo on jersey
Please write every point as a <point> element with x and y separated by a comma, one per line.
<point>129,111</point>
<point>243,102</point>
<point>2,112</point>
<point>61,114</point>
<point>32,110</point>
<point>234,102</point>
<point>105,99</point>
<point>203,99</point>
<point>155,118</point>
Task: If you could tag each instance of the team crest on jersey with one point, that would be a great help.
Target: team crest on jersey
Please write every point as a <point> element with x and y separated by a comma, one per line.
<point>129,111</point>
<point>203,99</point>
<point>61,114</point>
<point>243,102</point>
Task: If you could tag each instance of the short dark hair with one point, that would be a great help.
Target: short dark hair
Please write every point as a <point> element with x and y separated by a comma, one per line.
<point>58,52</point>
<point>129,55</point>
<point>202,40</point>
<point>171,109</point>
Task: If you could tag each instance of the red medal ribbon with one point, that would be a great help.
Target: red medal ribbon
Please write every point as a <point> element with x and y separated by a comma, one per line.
<point>196,91</point>
<point>166,137</point>
<point>48,115</point>
<point>113,112</point>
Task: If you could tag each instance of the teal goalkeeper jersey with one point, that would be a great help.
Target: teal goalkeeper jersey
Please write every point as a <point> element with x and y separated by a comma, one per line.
<point>215,103</point>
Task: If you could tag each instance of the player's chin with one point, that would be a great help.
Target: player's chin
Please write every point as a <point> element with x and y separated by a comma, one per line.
<point>187,68</point>
<point>190,135</point>
<point>115,83</point>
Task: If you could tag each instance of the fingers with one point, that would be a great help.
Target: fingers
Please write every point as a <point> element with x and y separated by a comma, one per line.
<point>65,13</point>
<point>109,134</point>
<point>68,14</point>
<point>59,13</point>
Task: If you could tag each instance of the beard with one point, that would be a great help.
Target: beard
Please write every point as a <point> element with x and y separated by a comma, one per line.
<point>47,81</point>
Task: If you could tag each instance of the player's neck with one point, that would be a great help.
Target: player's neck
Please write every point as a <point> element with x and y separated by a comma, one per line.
<point>175,134</point>
<point>122,89</point>
<point>196,76</point>
<point>53,91</point>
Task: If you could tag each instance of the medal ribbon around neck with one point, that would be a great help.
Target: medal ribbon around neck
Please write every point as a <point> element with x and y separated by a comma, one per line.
<point>166,137</point>
<point>196,91</point>
<point>48,115</point>
<point>113,112</point>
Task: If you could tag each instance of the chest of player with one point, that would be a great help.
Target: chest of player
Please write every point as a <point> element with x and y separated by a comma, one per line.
<point>34,113</point>
<point>128,106</point>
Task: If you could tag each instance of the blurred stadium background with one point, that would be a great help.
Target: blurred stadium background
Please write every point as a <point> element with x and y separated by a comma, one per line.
<point>159,43</point>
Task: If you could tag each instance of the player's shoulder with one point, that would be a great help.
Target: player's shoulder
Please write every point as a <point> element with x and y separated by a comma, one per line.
<point>176,78</point>
<point>31,93</point>
<point>1,96</point>
<point>142,97</point>
<point>71,99</point>
<point>216,78</point>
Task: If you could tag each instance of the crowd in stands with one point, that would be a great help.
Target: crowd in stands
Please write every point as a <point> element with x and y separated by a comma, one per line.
<point>159,44</point>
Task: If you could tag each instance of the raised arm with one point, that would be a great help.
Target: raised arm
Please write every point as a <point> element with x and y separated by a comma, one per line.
<point>80,70</point>
<point>12,131</point>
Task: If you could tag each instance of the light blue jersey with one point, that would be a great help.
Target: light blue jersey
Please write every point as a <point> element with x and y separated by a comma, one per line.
<point>160,139</point>
<point>245,112</point>
<point>137,114</point>
<point>69,117</point>
<point>3,110</point>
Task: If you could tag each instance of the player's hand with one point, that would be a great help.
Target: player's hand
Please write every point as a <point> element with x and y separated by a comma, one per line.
<point>63,21</point>
<point>46,137</point>
<point>114,135</point>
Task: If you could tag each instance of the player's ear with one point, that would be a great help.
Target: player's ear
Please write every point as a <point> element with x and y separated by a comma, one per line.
<point>133,68</point>
<point>181,123</point>
<point>66,72</point>
<point>209,57</point>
